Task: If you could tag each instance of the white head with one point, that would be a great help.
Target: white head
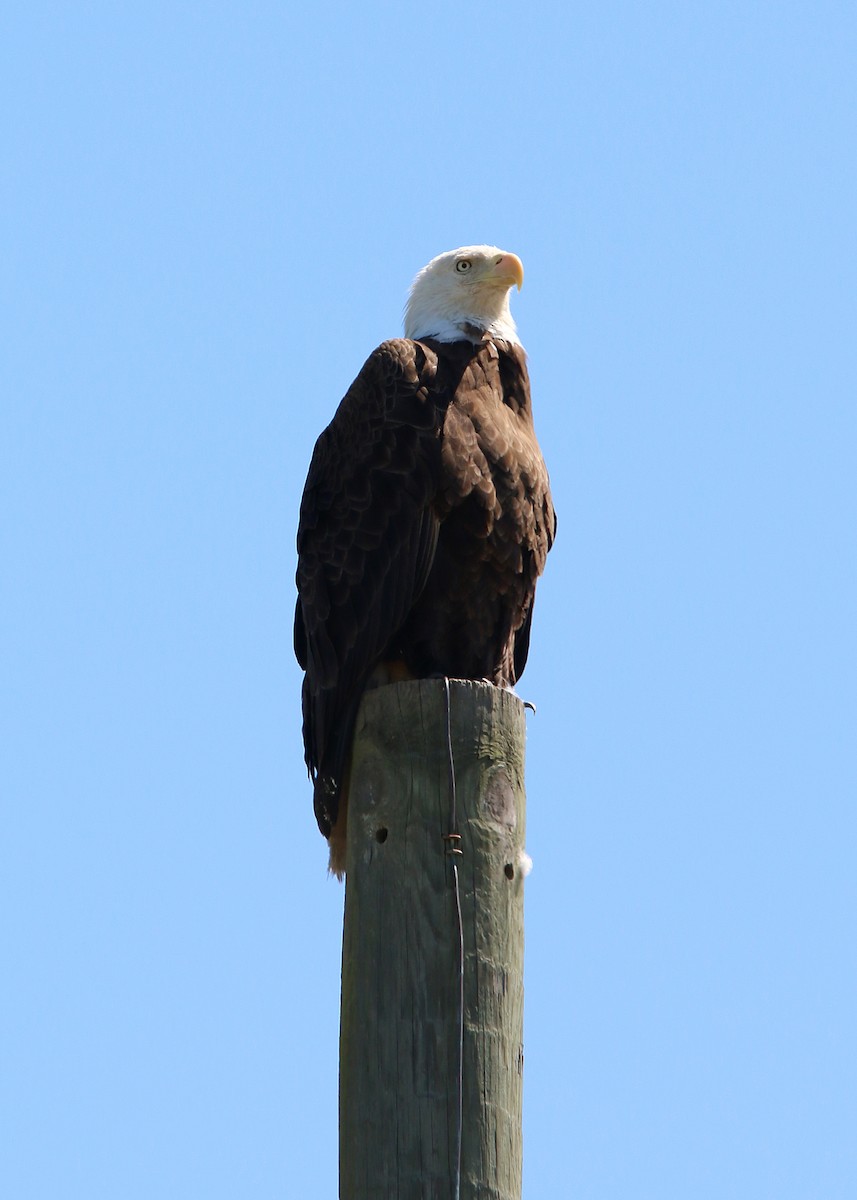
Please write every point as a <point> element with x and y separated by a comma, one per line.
<point>464,294</point>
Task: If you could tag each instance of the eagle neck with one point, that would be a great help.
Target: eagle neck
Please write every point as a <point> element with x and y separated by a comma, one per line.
<point>510,372</point>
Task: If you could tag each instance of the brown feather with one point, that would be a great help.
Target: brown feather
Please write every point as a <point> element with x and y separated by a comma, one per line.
<point>425,523</point>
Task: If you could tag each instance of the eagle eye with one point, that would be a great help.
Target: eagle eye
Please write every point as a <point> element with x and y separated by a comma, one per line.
<point>463,264</point>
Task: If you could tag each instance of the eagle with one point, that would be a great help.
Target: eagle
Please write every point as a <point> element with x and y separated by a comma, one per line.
<point>426,517</point>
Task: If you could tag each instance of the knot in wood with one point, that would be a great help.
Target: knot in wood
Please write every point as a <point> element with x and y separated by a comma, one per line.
<point>498,799</point>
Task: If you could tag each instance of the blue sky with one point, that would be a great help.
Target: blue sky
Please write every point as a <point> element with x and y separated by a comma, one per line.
<point>211,215</point>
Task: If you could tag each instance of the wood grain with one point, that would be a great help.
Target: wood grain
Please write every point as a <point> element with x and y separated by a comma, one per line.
<point>399,1058</point>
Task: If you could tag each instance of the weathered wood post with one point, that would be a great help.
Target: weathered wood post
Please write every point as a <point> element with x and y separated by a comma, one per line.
<point>402,1074</point>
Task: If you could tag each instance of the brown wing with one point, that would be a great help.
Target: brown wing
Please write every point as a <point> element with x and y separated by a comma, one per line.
<point>473,619</point>
<point>366,542</point>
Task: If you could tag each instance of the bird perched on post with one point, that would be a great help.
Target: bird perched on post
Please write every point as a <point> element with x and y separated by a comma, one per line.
<point>426,516</point>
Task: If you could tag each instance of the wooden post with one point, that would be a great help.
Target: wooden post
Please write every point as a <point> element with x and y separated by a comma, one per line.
<point>399,1041</point>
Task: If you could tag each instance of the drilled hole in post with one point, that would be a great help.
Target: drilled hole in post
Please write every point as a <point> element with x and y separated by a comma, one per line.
<point>509,871</point>
<point>381,834</point>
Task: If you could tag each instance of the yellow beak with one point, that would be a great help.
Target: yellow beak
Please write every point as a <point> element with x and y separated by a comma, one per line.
<point>509,269</point>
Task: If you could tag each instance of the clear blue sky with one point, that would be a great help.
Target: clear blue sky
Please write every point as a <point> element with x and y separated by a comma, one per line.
<point>211,214</point>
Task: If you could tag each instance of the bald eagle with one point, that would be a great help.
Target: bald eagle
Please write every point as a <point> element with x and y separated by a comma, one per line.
<point>426,516</point>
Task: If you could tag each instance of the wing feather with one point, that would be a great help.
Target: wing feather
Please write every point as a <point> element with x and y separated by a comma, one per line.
<point>366,541</point>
